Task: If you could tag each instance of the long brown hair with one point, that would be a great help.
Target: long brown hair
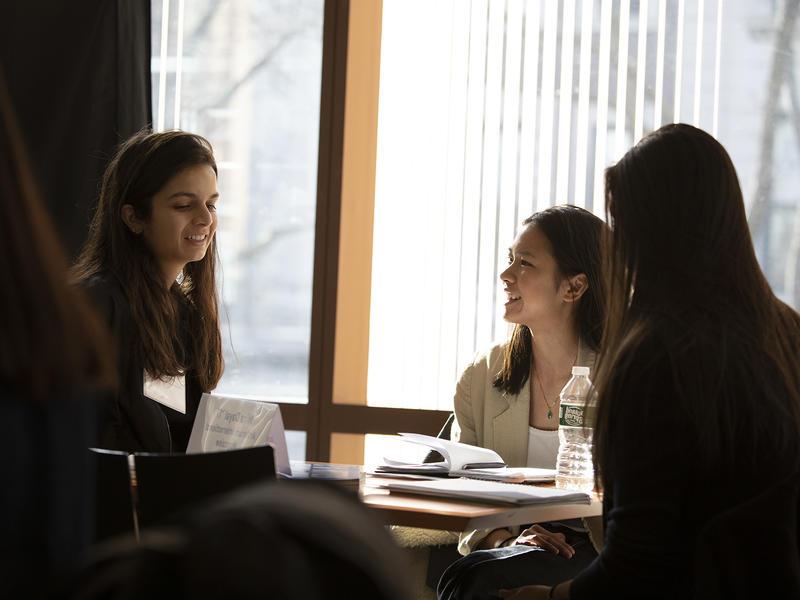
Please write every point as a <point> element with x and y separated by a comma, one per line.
<point>141,167</point>
<point>50,341</point>
<point>683,278</point>
<point>575,235</point>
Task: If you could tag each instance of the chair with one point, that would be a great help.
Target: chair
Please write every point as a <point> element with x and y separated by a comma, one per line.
<point>752,550</point>
<point>113,503</point>
<point>167,483</point>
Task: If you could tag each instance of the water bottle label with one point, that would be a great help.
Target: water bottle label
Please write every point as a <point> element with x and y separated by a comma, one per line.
<point>571,415</point>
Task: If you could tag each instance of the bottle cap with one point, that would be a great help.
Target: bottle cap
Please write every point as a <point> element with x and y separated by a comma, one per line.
<point>580,371</point>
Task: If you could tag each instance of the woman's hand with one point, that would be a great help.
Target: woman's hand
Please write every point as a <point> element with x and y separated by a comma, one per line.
<point>536,535</point>
<point>529,592</point>
<point>495,539</point>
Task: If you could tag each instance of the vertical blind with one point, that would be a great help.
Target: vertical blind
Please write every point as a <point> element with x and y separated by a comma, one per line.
<point>489,111</point>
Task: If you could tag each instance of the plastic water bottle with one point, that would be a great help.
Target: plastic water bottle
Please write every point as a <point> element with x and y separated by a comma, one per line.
<point>574,467</point>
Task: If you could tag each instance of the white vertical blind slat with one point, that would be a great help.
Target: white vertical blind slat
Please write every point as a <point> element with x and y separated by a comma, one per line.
<point>162,75</point>
<point>176,119</point>
<point>641,71</point>
<point>660,42</point>
<point>587,32</point>
<point>718,50</point>
<point>565,103</point>
<point>526,201</point>
<point>698,63</point>
<point>544,193</point>
<point>620,142</point>
<point>602,106</point>
<point>676,116</point>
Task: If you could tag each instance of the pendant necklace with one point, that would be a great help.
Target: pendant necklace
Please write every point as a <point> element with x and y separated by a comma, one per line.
<point>541,387</point>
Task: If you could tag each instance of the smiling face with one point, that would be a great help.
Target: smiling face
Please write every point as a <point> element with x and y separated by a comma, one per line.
<point>535,290</point>
<point>182,221</point>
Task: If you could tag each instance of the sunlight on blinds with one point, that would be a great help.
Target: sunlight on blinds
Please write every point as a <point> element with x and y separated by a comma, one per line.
<point>490,110</point>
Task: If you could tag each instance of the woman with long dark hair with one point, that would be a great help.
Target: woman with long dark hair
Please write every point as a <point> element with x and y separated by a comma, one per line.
<point>698,382</point>
<point>55,370</point>
<point>149,263</point>
<point>508,398</point>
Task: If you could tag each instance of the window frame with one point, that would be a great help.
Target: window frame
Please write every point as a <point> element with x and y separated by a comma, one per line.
<point>343,238</point>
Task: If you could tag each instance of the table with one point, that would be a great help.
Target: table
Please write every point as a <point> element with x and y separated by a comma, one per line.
<point>459,515</point>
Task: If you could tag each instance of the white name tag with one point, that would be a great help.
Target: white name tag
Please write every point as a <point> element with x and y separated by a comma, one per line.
<point>170,393</point>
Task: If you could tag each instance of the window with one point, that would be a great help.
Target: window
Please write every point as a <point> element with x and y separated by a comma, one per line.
<point>246,75</point>
<point>502,108</point>
<point>498,110</point>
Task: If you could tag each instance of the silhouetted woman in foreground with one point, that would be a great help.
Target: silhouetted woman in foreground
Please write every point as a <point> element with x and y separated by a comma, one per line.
<point>55,362</point>
<point>699,388</point>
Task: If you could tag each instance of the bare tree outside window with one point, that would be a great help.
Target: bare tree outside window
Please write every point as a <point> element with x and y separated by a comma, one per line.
<point>246,75</point>
<point>775,210</point>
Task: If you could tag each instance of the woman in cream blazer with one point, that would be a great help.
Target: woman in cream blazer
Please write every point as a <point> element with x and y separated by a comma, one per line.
<point>508,398</point>
<point>489,418</point>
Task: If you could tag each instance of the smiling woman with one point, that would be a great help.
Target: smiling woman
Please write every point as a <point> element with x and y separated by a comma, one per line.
<point>149,264</point>
<point>182,222</point>
<point>508,398</point>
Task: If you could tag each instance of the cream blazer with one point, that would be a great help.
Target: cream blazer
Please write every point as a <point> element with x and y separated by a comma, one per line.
<point>489,418</point>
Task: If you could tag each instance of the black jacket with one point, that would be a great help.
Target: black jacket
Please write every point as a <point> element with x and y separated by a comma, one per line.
<point>135,423</point>
<point>45,505</point>
<point>660,498</point>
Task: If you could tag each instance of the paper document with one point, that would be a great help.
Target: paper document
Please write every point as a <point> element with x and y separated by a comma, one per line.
<point>405,476</point>
<point>230,422</point>
<point>325,471</point>
<point>509,474</point>
<point>488,491</point>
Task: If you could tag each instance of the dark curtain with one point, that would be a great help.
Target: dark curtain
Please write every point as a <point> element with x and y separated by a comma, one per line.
<point>79,79</point>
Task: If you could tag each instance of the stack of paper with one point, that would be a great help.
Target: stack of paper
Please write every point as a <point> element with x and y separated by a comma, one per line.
<point>509,474</point>
<point>488,491</point>
<point>345,476</point>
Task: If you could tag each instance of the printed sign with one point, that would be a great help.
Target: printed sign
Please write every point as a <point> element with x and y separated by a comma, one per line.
<point>228,423</point>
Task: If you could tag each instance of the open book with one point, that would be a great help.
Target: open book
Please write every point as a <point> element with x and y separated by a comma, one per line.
<point>463,460</point>
<point>488,491</point>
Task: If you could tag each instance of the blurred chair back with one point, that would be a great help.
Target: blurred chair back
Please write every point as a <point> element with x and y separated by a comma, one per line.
<point>167,483</point>
<point>113,503</point>
<point>752,550</point>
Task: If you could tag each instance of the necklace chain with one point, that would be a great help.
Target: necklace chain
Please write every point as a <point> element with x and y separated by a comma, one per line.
<point>546,401</point>
<point>541,387</point>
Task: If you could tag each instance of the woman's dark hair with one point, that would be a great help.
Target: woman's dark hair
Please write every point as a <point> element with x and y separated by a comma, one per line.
<point>682,276</point>
<point>141,167</point>
<point>319,531</point>
<point>575,238</point>
<point>51,341</point>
